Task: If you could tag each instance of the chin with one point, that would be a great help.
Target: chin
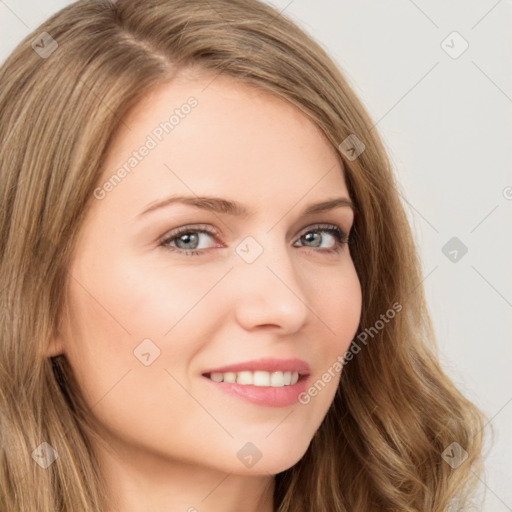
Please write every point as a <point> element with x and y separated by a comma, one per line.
<point>275,462</point>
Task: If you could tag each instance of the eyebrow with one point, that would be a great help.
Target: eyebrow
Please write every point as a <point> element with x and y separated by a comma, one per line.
<point>229,207</point>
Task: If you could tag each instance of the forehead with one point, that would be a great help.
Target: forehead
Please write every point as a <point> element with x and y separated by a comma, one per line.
<point>213,136</point>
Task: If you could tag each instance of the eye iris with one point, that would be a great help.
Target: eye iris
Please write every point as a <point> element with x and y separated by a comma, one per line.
<point>186,238</point>
<point>310,236</point>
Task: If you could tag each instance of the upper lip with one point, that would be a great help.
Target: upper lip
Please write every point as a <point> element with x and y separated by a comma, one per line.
<point>265,364</point>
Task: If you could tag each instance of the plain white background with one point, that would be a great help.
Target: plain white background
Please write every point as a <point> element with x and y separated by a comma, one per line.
<point>445,116</point>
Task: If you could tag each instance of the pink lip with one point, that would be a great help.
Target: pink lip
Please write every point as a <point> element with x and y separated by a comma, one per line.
<point>265,364</point>
<point>264,395</point>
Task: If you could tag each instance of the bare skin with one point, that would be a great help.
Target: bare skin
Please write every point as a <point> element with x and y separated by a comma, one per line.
<point>172,438</point>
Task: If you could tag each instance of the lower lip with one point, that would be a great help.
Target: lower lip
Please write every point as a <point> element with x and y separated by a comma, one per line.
<point>264,395</point>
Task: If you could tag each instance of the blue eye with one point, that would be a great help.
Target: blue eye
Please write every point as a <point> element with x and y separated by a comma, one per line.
<point>340,237</point>
<point>183,237</point>
<point>185,240</point>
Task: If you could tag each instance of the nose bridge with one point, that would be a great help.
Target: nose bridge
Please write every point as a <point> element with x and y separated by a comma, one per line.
<point>270,290</point>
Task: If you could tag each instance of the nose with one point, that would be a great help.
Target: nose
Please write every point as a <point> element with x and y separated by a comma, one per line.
<point>270,293</point>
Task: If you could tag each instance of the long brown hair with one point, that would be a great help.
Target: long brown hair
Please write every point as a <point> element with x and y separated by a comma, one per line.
<point>64,91</point>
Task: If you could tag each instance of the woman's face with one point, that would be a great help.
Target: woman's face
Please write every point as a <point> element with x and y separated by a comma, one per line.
<point>151,310</point>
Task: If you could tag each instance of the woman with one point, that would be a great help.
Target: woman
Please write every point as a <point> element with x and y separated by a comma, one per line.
<point>255,372</point>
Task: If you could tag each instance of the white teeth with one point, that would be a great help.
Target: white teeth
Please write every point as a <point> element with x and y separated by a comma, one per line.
<point>258,378</point>
<point>244,378</point>
<point>261,378</point>
<point>229,377</point>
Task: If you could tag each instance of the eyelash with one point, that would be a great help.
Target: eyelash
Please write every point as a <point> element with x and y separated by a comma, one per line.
<point>340,236</point>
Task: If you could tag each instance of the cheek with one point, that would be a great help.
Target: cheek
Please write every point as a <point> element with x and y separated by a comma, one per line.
<point>157,298</point>
<point>140,299</point>
<point>125,315</point>
<point>339,299</point>
<point>337,302</point>
<point>112,314</point>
